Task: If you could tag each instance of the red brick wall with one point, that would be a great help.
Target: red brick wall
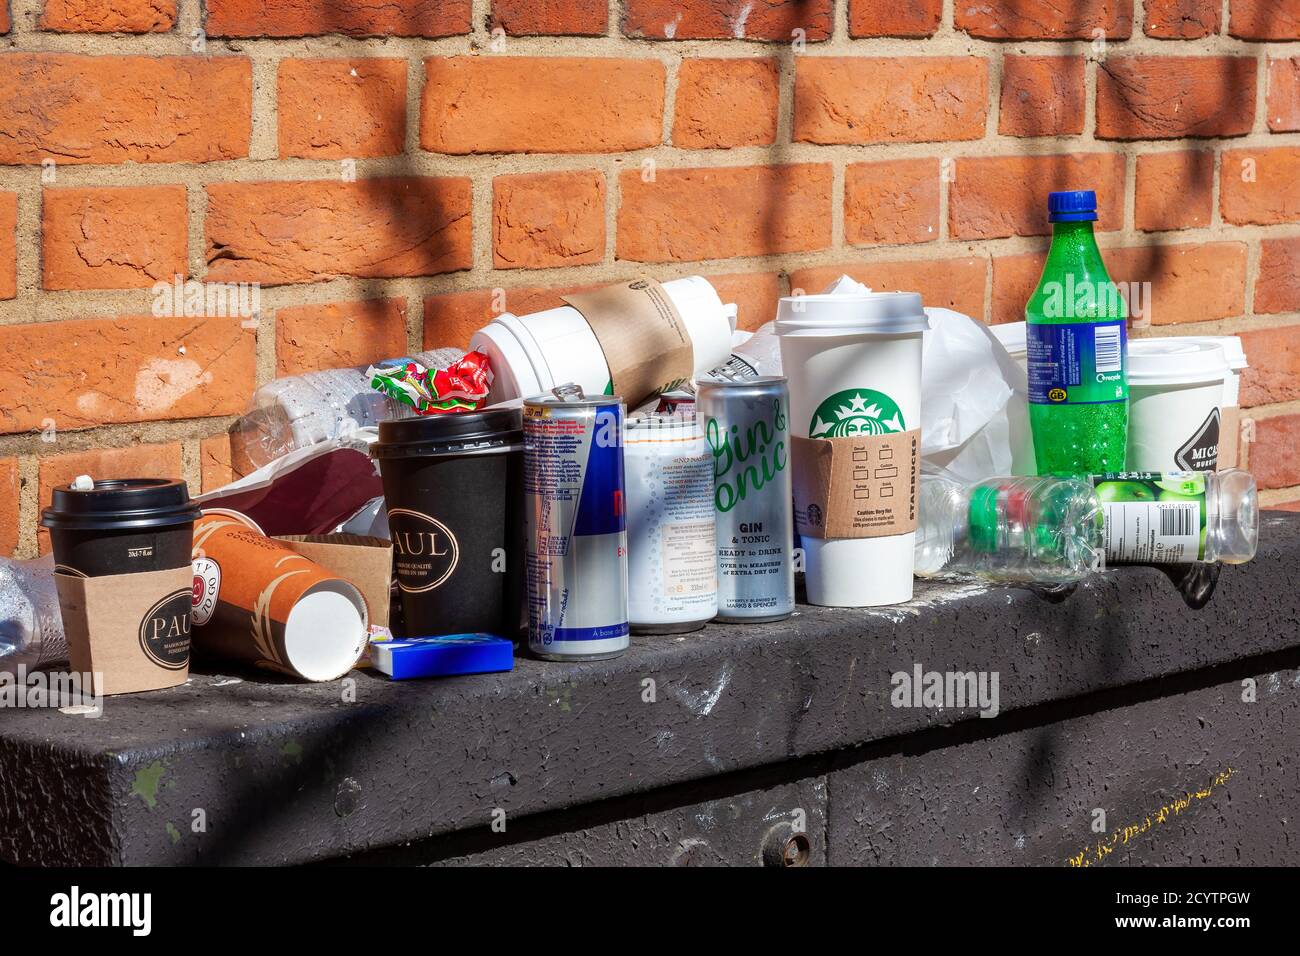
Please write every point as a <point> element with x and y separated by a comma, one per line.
<point>504,150</point>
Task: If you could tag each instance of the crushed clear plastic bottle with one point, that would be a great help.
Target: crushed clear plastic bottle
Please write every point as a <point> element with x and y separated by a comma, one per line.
<point>31,627</point>
<point>1052,530</point>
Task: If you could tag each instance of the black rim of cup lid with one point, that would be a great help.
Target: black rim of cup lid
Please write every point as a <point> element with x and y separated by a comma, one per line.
<point>432,434</point>
<point>117,503</point>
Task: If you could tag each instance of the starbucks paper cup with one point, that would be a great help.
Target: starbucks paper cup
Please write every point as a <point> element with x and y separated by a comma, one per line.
<point>854,364</point>
<point>1176,386</point>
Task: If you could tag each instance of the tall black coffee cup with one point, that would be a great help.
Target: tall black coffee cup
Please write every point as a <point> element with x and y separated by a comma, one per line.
<point>454,489</point>
<point>121,526</point>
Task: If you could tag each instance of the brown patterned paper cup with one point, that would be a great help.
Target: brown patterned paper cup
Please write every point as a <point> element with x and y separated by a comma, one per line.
<point>260,603</point>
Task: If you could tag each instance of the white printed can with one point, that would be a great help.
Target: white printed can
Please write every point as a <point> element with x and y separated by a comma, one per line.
<point>672,564</point>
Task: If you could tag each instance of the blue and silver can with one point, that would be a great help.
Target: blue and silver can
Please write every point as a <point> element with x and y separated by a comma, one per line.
<point>576,525</point>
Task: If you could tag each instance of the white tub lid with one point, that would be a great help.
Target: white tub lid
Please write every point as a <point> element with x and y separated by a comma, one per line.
<point>876,313</point>
<point>1175,361</point>
<point>1231,345</point>
<point>1012,335</point>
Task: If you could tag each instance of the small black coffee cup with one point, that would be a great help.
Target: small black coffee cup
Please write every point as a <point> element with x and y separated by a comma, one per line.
<point>453,485</point>
<point>121,526</point>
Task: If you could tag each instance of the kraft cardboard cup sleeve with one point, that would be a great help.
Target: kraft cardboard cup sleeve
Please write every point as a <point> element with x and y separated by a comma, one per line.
<point>454,489</point>
<point>121,526</point>
<point>854,365</point>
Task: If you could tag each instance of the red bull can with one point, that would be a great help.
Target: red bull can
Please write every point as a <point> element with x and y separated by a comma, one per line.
<point>575,518</point>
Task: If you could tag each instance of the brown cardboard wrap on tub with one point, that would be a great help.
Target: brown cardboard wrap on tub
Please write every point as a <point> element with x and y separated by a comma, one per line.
<point>1229,437</point>
<point>643,337</point>
<point>131,631</point>
<point>245,584</point>
<point>365,561</point>
<point>861,487</point>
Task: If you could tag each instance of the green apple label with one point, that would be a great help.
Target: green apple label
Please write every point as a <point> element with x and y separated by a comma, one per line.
<point>855,412</point>
<point>1153,517</point>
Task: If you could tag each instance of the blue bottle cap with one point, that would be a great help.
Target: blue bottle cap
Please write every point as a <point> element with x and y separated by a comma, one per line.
<point>1075,205</point>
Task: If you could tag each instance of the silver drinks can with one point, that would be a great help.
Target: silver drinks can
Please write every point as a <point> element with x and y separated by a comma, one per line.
<point>575,516</point>
<point>747,429</point>
<point>672,551</point>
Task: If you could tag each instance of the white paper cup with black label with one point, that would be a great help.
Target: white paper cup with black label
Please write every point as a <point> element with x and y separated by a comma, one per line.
<point>1175,393</point>
<point>1230,411</point>
<point>854,365</point>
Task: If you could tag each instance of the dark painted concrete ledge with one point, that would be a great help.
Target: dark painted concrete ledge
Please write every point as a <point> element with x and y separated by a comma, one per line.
<point>281,773</point>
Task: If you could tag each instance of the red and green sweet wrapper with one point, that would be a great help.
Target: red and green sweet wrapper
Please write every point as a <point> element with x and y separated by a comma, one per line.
<point>461,387</point>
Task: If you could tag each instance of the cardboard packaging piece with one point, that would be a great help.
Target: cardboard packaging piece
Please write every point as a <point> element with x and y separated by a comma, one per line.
<point>256,601</point>
<point>863,487</point>
<point>364,561</point>
<point>130,631</point>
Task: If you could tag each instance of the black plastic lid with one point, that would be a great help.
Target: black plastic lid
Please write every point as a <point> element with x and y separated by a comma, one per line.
<point>121,503</point>
<point>448,434</point>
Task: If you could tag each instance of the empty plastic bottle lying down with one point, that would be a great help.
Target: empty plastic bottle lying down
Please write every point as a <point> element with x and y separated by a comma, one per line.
<point>1058,530</point>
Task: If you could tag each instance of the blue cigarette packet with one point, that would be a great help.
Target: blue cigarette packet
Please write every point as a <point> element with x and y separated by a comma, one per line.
<point>441,656</point>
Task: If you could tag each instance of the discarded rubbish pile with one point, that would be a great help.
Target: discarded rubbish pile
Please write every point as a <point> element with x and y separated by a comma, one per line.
<point>428,514</point>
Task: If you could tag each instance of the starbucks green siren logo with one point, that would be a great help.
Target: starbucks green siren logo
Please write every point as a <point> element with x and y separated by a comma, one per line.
<point>854,412</point>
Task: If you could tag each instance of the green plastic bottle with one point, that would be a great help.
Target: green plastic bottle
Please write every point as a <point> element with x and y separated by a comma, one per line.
<point>1077,349</point>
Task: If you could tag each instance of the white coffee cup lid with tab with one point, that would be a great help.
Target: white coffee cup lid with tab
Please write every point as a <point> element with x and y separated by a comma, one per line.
<point>1175,361</point>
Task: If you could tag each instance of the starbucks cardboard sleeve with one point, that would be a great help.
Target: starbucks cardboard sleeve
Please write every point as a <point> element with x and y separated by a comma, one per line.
<point>861,487</point>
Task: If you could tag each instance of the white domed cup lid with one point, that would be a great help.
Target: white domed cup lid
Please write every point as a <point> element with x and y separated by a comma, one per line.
<point>1175,361</point>
<point>877,313</point>
<point>1231,345</point>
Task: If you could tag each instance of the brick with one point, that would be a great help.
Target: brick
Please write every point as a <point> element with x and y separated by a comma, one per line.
<point>722,103</point>
<point>1292,505</point>
<point>1272,456</point>
<point>1170,97</point>
<point>132,461</point>
<point>728,19</point>
<point>358,18</point>
<point>1182,19</point>
<point>114,16</point>
<point>889,99</point>
<point>8,245</point>
<point>551,17</point>
<point>1274,372</point>
<point>890,202</point>
<point>1174,190</point>
<point>10,486</point>
<point>945,283</point>
<point>916,18</point>
<point>1044,19</point>
<point>541,220</point>
<point>111,109</point>
<point>1041,96</point>
<point>122,237</point>
<point>541,105</point>
<point>754,293</point>
<point>283,232</point>
<point>1189,283</point>
<point>1258,185</point>
<point>81,373</point>
<point>689,214</point>
<point>338,334</point>
<point>1277,289</point>
<point>1264,19</point>
<point>1283,106</point>
<point>6,23</point>
<point>340,109</point>
<point>996,196</point>
<point>215,468</point>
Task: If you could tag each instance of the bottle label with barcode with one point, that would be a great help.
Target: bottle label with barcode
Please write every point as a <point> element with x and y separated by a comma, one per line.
<point>1077,363</point>
<point>1152,517</point>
